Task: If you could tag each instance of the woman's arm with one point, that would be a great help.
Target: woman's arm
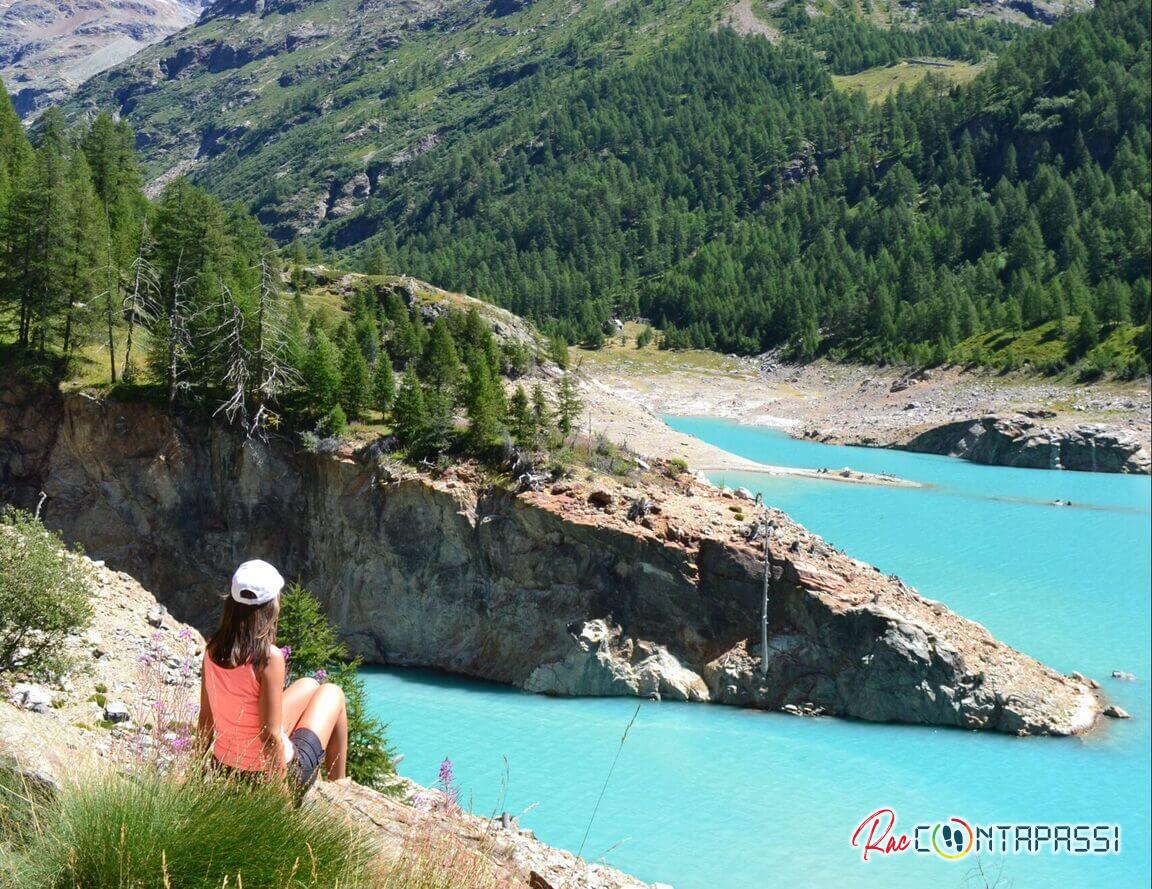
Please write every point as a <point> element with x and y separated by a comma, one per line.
<point>206,724</point>
<point>271,678</point>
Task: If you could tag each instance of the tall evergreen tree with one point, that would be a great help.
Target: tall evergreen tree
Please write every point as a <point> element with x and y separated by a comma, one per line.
<point>410,413</point>
<point>568,404</point>
<point>521,421</point>
<point>483,401</point>
<point>383,385</point>
<point>440,365</point>
<point>321,374</point>
<point>355,381</point>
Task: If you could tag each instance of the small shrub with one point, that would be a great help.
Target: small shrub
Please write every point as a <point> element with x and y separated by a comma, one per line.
<point>332,423</point>
<point>153,829</point>
<point>44,595</point>
<point>317,651</point>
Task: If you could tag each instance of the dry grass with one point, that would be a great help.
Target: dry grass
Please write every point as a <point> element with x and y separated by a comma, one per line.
<point>620,355</point>
<point>877,83</point>
<point>431,860</point>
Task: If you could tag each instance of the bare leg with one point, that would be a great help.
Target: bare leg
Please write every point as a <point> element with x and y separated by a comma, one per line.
<point>296,698</point>
<point>327,717</point>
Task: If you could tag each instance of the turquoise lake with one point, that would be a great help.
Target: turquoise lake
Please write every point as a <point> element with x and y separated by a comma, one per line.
<point>713,797</point>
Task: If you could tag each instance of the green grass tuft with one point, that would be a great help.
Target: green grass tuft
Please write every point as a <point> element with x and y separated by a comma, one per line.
<point>155,830</point>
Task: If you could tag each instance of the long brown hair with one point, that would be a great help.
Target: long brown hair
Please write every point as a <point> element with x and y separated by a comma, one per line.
<point>244,634</point>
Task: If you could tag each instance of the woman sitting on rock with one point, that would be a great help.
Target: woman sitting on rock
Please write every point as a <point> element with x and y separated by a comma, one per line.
<point>253,722</point>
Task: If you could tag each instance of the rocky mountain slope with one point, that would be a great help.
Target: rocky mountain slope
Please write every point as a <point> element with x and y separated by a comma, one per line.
<point>47,49</point>
<point>642,584</point>
<point>307,110</point>
<point>135,656</point>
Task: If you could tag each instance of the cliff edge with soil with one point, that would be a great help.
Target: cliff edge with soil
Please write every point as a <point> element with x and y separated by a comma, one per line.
<point>587,586</point>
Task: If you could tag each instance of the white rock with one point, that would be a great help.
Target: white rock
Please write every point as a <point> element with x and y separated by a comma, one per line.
<point>116,711</point>
<point>31,697</point>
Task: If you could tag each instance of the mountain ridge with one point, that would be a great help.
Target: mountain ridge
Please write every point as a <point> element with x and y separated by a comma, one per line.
<point>47,49</point>
<point>578,162</point>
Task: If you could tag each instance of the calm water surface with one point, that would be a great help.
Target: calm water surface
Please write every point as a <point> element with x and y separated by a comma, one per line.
<point>715,797</point>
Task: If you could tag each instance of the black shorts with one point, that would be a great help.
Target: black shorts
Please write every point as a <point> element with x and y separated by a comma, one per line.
<point>309,753</point>
<point>302,769</point>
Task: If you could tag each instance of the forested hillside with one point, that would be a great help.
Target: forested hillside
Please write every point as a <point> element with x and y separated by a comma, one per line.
<point>575,163</point>
<point>186,301</point>
<point>1018,199</point>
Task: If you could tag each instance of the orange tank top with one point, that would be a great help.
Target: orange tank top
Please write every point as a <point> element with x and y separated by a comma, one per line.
<point>234,696</point>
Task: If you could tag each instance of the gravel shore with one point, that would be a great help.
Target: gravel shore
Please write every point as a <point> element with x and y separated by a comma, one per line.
<point>628,390</point>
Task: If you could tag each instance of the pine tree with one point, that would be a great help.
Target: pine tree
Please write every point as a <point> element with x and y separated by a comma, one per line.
<point>438,432</point>
<point>189,244</point>
<point>376,262</point>
<point>383,385</point>
<point>541,412</point>
<point>86,253</point>
<point>440,365</point>
<point>410,413</point>
<point>354,379</point>
<point>1114,302</point>
<point>568,404</point>
<point>483,402</point>
<point>521,421</point>
<point>558,350</point>
<point>321,376</point>
<point>1087,336</point>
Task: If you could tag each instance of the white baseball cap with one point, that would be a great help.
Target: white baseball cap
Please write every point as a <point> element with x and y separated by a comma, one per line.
<point>256,583</point>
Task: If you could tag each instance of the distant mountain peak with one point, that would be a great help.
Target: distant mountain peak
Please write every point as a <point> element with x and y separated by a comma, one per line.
<point>49,47</point>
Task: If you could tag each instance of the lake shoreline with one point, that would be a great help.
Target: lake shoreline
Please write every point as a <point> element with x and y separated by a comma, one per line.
<point>979,416</point>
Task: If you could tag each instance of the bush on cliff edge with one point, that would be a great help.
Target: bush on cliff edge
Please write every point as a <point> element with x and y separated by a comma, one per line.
<point>316,650</point>
<point>44,595</point>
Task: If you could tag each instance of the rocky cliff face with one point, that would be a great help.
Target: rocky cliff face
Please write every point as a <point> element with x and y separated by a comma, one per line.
<point>47,49</point>
<point>569,590</point>
<point>1020,441</point>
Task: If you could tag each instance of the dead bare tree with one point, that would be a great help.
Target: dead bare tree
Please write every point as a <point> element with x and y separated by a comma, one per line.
<point>140,301</point>
<point>274,372</point>
<point>250,350</point>
<point>178,335</point>
<point>233,356</point>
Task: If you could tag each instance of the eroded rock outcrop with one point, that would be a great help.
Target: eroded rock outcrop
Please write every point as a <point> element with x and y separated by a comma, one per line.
<point>1023,442</point>
<point>554,591</point>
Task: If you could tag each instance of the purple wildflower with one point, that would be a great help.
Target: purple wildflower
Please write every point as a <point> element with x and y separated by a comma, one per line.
<point>446,781</point>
